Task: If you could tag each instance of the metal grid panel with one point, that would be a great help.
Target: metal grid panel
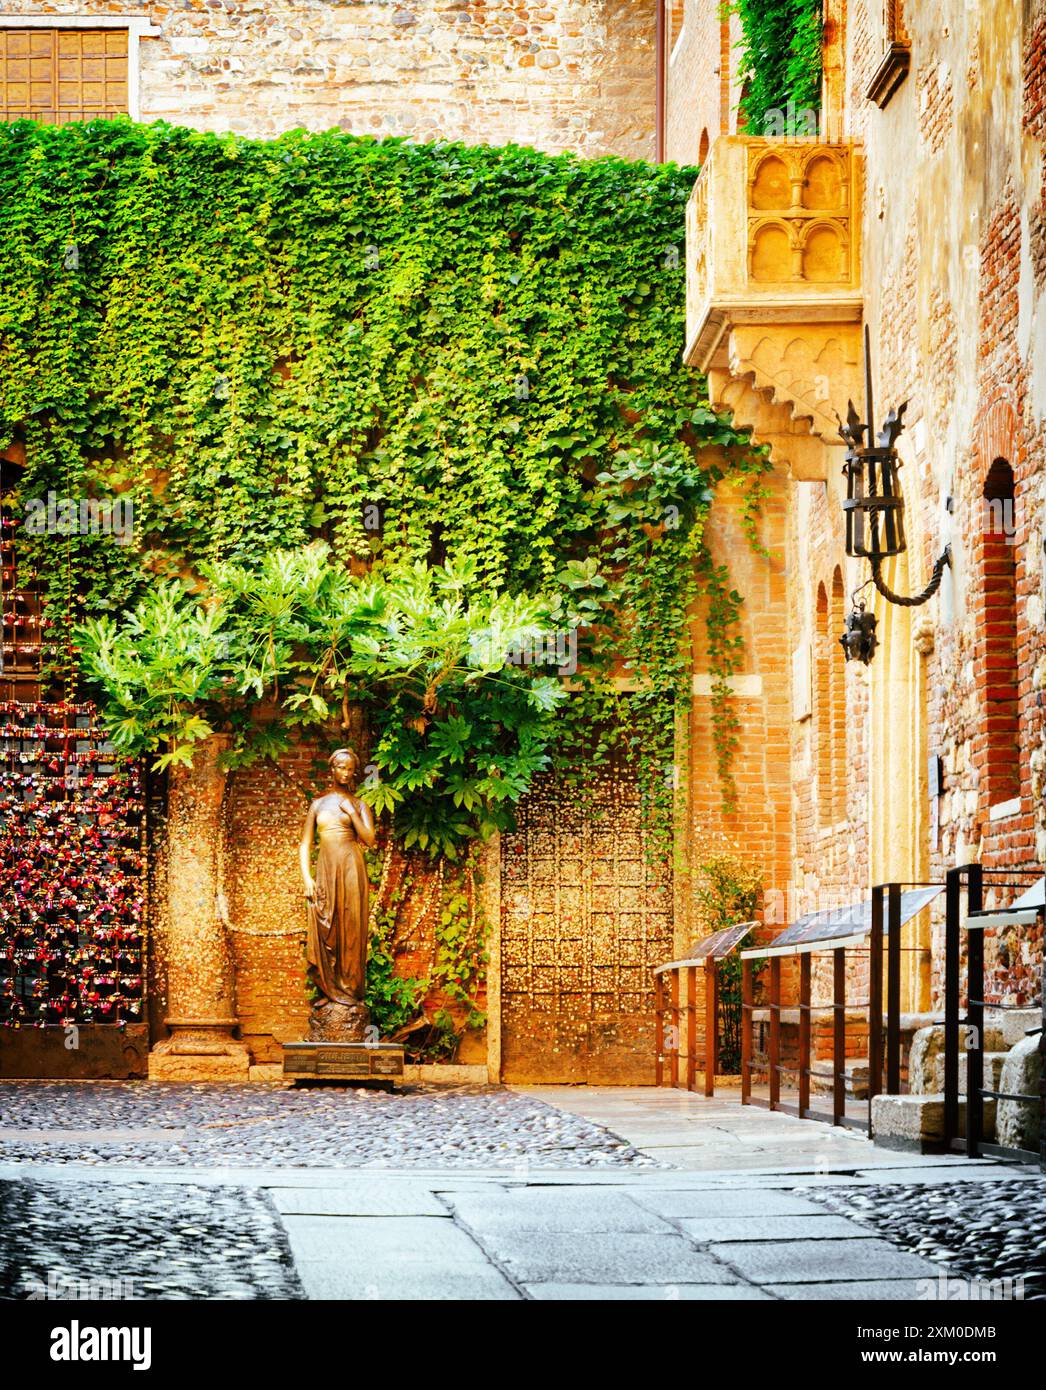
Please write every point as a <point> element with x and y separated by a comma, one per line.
<point>586,915</point>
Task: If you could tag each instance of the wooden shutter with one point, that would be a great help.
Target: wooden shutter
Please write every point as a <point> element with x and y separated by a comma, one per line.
<point>62,75</point>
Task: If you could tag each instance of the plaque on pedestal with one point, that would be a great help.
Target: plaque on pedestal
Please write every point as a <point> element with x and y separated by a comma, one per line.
<point>358,1062</point>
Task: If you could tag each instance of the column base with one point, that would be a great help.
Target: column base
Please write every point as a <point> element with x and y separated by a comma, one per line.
<point>200,1051</point>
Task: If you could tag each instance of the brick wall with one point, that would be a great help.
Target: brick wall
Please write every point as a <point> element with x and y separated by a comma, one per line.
<point>571,75</point>
<point>760,830</point>
<point>952,294</point>
<point>702,89</point>
<point>954,265</point>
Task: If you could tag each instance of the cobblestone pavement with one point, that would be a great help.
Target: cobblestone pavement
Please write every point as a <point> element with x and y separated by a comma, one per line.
<point>983,1231</point>
<point>262,1126</point>
<point>479,1193</point>
<point>138,1241</point>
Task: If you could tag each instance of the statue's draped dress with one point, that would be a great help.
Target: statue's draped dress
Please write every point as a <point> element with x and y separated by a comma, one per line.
<point>336,948</point>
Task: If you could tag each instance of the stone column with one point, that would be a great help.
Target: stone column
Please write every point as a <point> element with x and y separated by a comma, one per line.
<point>201,986</point>
<point>489,896</point>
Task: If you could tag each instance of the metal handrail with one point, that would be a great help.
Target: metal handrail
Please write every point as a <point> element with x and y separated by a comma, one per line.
<point>976,1092</point>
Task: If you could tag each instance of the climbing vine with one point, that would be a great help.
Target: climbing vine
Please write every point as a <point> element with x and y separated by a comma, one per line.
<point>414,353</point>
<point>781,64</point>
<point>430,1014</point>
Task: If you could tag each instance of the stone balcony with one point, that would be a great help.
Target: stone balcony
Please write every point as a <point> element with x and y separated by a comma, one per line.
<point>774,301</point>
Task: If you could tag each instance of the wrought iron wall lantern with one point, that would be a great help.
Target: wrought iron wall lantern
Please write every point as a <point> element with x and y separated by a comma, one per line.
<point>874,511</point>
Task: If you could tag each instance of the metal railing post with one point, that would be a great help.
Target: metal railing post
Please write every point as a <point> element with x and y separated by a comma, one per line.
<point>673,1056</point>
<point>952,891</point>
<point>711,1018</point>
<point>1042,1077</point>
<point>974,1042</point>
<point>775,1031</point>
<point>691,1027</point>
<point>875,997</point>
<point>805,975</point>
<point>746,1032</point>
<point>893,993</point>
<point>974,1016</point>
<point>839,1036</point>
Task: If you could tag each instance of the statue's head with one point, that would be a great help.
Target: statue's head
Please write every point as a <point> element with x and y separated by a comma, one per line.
<point>344,766</point>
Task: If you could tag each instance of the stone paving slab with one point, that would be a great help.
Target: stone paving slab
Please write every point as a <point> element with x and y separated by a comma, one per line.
<point>332,1282</point>
<point>363,1198</point>
<point>821,1261</point>
<point>966,1172</point>
<point>714,1228</point>
<point>706,1203</point>
<point>846,1291</point>
<point>553,1209</point>
<point>648,1293</point>
<point>651,1180</point>
<point>371,1258</point>
<point>601,1257</point>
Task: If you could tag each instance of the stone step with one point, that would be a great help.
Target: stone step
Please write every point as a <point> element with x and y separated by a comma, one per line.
<point>993,1064</point>
<point>856,1078</point>
<point>917,1122</point>
<point>1019,1123</point>
<point>1012,1025</point>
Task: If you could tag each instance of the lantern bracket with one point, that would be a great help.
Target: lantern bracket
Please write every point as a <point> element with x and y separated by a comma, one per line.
<point>912,600</point>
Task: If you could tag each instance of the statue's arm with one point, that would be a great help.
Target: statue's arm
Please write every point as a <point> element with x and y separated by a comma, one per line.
<point>305,852</point>
<point>363,820</point>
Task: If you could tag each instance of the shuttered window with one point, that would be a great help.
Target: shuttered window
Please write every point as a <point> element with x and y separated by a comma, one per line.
<point>62,75</point>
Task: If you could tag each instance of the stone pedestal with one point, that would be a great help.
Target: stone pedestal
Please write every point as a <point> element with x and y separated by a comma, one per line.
<point>358,1062</point>
<point>342,1023</point>
<point>200,1051</point>
<point>201,992</point>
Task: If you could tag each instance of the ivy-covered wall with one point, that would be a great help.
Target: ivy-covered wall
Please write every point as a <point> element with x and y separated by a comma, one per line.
<point>781,64</point>
<point>412,352</point>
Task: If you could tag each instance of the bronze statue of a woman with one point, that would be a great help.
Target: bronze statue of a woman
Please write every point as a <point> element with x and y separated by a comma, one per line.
<point>338,896</point>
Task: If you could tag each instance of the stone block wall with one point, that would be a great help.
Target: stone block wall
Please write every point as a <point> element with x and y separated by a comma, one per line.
<point>560,76</point>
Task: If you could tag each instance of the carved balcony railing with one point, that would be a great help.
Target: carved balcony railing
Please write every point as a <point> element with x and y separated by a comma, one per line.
<point>774,280</point>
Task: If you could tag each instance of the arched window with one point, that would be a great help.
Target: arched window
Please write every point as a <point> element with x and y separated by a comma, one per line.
<point>702,151</point>
<point>998,678</point>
